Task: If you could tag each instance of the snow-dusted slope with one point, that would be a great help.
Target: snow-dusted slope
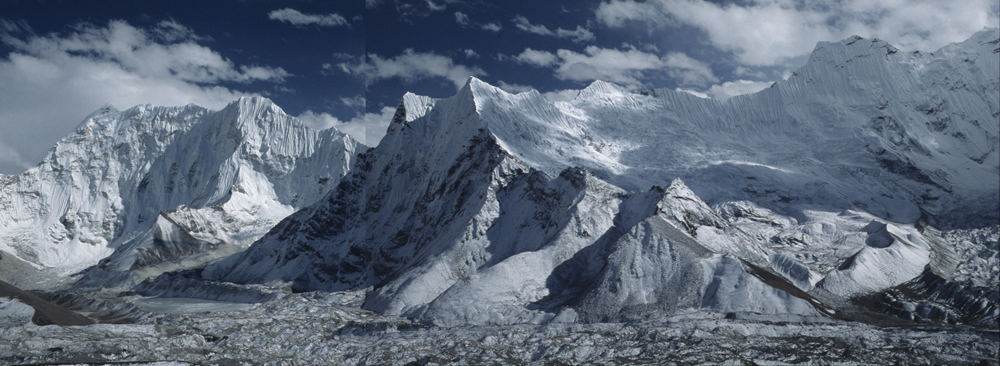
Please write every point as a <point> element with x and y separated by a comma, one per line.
<point>154,185</point>
<point>490,207</point>
<point>861,125</point>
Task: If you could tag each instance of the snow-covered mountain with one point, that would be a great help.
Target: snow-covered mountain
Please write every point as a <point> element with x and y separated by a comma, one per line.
<point>491,207</point>
<point>150,189</point>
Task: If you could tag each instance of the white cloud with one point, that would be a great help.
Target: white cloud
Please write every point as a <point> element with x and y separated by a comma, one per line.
<point>615,13</point>
<point>357,101</point>
<point>536,57</point>
<point>579,34</point>
<point>52,82</point>
<point>461,18</point>
<point>731,89</point>
<point>625,67</point>
<point>410,66</point>
<point>296,17</point>
<point>770,32</point>
<point>470,53</point>
<point>748,72</point>
<point>172,31</point>
<point>11,160</point>
<point>14,26</point>
<point>693,92</point>
<point>144,53</point>
<point>435,7</point>
<point>368,128</point>
<point>512,87</point>
<point>492,27</point>
<point>561,95</point>
<point>412,11</point>
<point>688,70</point>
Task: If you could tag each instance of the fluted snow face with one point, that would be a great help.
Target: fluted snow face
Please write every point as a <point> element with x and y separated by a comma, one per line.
<point>499,208</point>
<point>860,122</point>
<point>221,176</point>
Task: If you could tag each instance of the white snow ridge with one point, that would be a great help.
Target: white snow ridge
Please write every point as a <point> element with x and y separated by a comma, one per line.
<point>498,208</point>
<point>844,214</point>
<point>152,188</point>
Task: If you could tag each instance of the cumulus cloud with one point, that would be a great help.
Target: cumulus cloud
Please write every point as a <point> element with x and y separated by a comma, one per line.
<point>52,82</point>
<point>536,57</point>
<point>769,32</point>
<point>595,63</point>
<point>470,53</point>
<point>461,18</point>
<point>368,128</point>
<point>627,67</point>
<point>411,65</point>
<point>492,27</point>
<point>292,16</point>
<point>355,102</point>
<point>688,70</point>
<point>616,13</point>
<point>580,34</point>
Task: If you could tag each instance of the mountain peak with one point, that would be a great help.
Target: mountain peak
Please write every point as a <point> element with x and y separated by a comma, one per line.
<point>601,87</point>
<point>97,115</point>
<point>415,106</point>
<point>254,105</point>
<point>987,34</point>
<point>850,48</point>
<point>477,91</point>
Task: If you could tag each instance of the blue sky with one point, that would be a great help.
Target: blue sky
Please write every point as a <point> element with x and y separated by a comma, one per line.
<point>346,63</point>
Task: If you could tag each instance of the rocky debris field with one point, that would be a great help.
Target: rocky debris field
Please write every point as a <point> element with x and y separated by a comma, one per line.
<point>330,328</point>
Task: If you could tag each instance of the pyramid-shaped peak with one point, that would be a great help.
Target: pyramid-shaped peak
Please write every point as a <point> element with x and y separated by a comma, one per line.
<point>482,89</point>
<point>474,92</point>
<point>601,85</point>
<point>253,105</point>
<point>413,106</point>
<point>601,88</point>
<point>477,83</point>
<point>104,111</point>
<point>678,199</point>
<point>678,188</point>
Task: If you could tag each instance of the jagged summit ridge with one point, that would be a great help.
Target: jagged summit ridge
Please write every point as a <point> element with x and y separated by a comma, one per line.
<point>879,114</point>
<point>105,185</point>
<point>492,207</point>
